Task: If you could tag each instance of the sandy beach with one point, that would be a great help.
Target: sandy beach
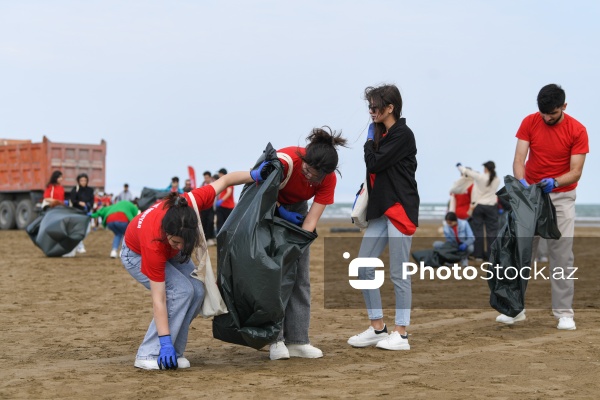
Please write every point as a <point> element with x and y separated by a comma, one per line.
<point>70,329</point>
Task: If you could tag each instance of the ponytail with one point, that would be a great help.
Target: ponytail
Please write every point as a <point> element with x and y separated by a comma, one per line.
<point>321,153</point>
<point>491,167</point>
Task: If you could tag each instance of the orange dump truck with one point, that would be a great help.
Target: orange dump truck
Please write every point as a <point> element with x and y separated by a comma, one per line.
<point>25,170</point>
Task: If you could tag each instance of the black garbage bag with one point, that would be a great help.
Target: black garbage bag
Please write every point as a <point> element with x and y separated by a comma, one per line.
<point>447,254</point>
<point>532,213</point>
<point>58,230</point>
<point>257,261</point>
<point>149,196</point>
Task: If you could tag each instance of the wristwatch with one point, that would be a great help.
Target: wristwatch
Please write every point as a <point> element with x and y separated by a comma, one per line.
<point>555,183</point>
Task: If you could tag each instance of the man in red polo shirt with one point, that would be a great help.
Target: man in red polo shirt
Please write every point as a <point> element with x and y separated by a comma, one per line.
<point>557,145</point>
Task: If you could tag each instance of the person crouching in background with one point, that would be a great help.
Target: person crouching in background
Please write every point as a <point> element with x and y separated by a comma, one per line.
<point>116,217</point>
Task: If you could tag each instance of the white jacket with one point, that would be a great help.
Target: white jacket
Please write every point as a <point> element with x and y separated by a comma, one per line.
<point>482,193</point>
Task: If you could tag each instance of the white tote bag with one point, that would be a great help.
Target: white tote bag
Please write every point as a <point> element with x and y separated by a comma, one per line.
<point>359,209</point>
<point>213,302</point>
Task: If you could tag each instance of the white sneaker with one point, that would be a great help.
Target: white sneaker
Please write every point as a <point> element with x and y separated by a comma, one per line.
<point>368,337</point>
<point>278,351</point>
<point>182,363</point>
<point>304,351</point>
<point>566,323</point>
<point>113,253</point>
<point>505,319</point>
<point>70,254</point>
<point>80,248</point>
<point>211,242</point>
<point>394,342</point>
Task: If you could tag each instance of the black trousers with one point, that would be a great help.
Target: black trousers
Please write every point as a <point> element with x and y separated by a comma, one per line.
<point>207,217</point>
<point>484,217</point>
<point>222,215</point>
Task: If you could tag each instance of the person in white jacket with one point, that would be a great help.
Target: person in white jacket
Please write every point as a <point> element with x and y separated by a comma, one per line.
<point>484,205</point>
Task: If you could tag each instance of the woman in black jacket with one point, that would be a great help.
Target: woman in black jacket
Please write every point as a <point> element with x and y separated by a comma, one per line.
<point>392,213</point>
<point>82,198</point>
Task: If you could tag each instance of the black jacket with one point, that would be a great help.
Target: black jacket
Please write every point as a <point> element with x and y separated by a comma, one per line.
<point>85,194</point>
<point>395,164</point>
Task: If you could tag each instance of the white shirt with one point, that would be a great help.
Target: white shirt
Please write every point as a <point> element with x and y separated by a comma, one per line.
<point>482,193</point>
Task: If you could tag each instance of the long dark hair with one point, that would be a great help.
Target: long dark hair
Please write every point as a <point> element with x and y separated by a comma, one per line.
<point>491,167</point>
<point>180,220</point>
<point>380,97</point>
<point>321,153</point>
<point>54,178</point>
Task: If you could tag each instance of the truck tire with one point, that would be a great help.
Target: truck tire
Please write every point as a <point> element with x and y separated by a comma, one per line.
<point>25,213</point>
<point>7,215</point>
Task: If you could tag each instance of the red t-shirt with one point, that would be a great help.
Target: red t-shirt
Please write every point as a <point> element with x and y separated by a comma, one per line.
<point>463,203</point>
<point>56,192</point>
<point>229,202</point>
<point>117,217</point>
<point>298,187</point>
<point>551,147</point>
<point>144,234</point>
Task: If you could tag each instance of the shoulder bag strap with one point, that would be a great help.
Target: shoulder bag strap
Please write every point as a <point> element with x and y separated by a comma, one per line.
<point>290,163</point>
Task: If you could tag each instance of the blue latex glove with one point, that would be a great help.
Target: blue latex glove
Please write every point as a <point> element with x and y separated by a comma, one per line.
<point>458,165</point>
<point>547,185</point>
<point>167,357</point>
<point>291,216</point>
<point>462,247</point>
<point>371,131</point>
<point>524,182</point>
<point>219,202</point>
<point>260,173</point>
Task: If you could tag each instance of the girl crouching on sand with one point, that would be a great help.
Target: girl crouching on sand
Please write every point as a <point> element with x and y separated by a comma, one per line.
<point>156,251</point>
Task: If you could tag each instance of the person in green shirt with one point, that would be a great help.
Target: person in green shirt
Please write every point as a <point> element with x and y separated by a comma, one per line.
<point>116,217</point>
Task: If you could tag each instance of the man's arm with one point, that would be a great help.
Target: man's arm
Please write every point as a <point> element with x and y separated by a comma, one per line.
<point>519,160</point>
<point>574,174</point>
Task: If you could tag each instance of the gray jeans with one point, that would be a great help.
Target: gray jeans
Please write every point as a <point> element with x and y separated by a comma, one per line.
<point>297,312</point>
<point>184,301</point>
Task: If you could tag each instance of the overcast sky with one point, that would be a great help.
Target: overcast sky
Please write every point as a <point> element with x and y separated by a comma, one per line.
<point>174,83</point>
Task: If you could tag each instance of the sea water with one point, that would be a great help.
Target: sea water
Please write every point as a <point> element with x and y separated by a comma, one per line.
<point>584,213</point>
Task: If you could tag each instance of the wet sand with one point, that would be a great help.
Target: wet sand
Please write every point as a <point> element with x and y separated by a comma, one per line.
<point>70,328</point>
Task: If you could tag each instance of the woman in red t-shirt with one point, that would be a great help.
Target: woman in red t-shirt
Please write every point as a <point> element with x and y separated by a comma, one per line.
<point>156,251</point>
<point>313,175</point>
<point>54,195</point>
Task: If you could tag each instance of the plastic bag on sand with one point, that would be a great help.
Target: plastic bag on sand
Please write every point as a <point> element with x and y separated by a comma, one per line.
<point>58,230</point>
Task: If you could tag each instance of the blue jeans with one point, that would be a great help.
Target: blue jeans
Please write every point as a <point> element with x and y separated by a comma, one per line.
<point>118,228</point>
<point>184,302</point>
<point>379,233</point>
